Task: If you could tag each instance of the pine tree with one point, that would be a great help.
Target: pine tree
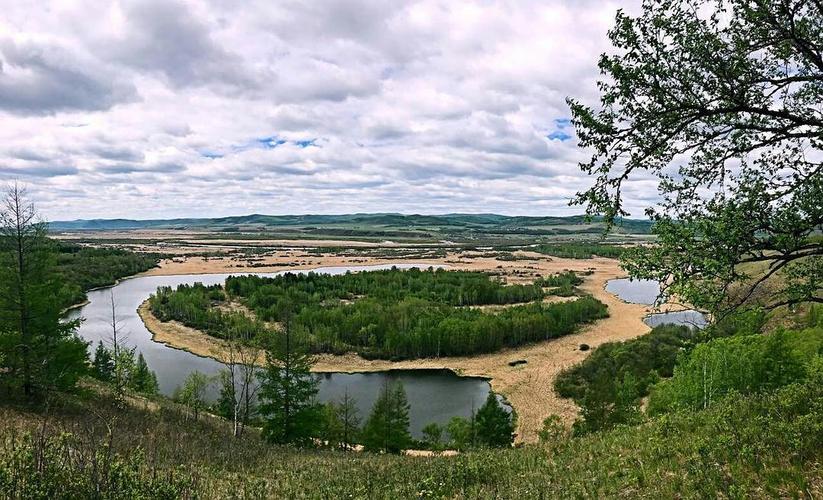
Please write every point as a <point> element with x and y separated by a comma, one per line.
<point>142,379</point>
<point>350,419</point>
<point>39,352</point>
<point>494,425</point>
<point>288,391</point>
<point>103,364</point>
<point>387,428</point>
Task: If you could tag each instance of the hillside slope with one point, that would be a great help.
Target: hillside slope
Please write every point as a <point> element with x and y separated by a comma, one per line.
<point>769,445</point>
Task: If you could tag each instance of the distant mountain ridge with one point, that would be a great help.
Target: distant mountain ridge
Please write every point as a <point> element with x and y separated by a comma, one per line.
<point>260,222</point>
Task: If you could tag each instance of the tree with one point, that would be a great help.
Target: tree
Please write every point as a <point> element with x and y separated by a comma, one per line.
<point>103,364</point>
<point>288,391</point>
<point>192,393</point>
<point>238,392</point>
<point>461,433</point>
<point>433,436</point>
<point>331,428</point>
<point>141,378</point>
<point>387,428</point>
<point>349,417</point>
<point>117,346</point>
<point>494,425</point>
<point>39,351</point>
<point>553,431</point>
<point>720,100</point>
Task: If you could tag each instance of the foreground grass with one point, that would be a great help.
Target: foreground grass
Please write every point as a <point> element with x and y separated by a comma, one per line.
<point>761,446</point>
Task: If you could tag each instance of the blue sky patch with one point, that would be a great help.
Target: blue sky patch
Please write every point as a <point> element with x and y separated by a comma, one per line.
<point>562,123</point>
<point>559,135</point>
<point>305,144</point>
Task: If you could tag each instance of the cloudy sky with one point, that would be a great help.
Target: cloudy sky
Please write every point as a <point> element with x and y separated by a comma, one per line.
<point>165,108</point>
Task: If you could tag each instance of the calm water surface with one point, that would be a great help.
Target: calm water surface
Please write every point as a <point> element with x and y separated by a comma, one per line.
<point>434,395</point>
<point>646,292</point>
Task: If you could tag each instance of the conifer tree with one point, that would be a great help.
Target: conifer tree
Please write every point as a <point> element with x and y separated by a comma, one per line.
<point>38,351</point>
<point>103,364</point>
<point>288,391</point>
<point>494,425</point>
<point>142,379</point>
<point>387,428</point>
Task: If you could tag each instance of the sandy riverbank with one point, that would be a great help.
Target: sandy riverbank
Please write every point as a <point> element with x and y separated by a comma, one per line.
<point>528,387</point>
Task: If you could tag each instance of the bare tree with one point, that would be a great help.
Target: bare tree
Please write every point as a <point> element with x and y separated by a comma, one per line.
<point>240,387</point>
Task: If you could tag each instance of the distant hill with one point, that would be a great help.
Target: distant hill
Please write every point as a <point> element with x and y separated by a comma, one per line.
<point>487,223</point>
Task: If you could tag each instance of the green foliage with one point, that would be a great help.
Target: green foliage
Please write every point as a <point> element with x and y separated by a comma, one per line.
<point>103,364</point>
<point>192,393</point>
<point>493,424</point>
<point>383,314</point>
<point>461,433</point>
<point>287,393</point>
<point>140,378</point>
<point>340,423</point>
<point>742,364</point>
<point>553,431</point>
<point>609,383</point>
<point>39,352</point>
<point>387,428</point>
<point>131,373</point>
<point>765,445</point>
<point>60,467</point>
<point>562,284</point>
<point>433,436</point>
<point>581,250</point>
<point>82,268</point>
<point>193,305</point>
<point>733,87</point>
<point>296,291</point>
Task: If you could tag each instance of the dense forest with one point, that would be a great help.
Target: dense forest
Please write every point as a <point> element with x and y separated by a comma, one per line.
<point>82,268</point>
<point>390,314</point>
<point>580,250</point>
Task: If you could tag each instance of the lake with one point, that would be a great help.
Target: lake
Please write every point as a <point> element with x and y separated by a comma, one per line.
<point>646,292</point>
<point>434,395</point>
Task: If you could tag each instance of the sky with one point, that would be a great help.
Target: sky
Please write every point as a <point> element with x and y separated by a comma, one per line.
<point>167,108</point>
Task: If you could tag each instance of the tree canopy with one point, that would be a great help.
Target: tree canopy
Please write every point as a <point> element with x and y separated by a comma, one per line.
<point>720,100</point>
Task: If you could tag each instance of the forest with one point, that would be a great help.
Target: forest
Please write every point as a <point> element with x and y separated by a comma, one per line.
<point>392,314</point>
<point>82,268</point>
<point>580,250</point>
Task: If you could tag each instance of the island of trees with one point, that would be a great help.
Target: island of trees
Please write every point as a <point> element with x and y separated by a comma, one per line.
<point>390,314</point>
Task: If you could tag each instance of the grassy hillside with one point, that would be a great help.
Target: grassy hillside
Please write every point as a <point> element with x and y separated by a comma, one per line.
<point>760,446</point>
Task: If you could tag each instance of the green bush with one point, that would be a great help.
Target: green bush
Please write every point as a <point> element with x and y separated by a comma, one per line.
<point>743,364</point>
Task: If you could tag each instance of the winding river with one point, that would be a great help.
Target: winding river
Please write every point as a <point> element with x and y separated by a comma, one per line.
<point>434,395</point>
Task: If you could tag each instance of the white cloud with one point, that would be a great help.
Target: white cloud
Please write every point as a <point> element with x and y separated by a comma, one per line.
<point>169,108</point>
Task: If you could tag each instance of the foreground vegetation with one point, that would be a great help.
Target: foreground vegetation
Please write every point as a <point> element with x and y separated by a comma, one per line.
<point>764,445</point>
<point>389,314</point>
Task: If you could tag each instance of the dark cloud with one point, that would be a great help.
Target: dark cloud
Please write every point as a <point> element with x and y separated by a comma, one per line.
<point>38,171</point>
<point>46,79</point>
<point>131,168</point>
<point>166,37</point>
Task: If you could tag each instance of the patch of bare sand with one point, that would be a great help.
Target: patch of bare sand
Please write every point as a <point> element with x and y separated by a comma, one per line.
<point>528,387</point>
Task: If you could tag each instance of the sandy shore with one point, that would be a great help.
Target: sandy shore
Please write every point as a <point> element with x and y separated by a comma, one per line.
<point>528,387</point>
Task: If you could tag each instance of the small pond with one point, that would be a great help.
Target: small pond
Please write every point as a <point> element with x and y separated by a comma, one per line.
<point>646,292</point>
